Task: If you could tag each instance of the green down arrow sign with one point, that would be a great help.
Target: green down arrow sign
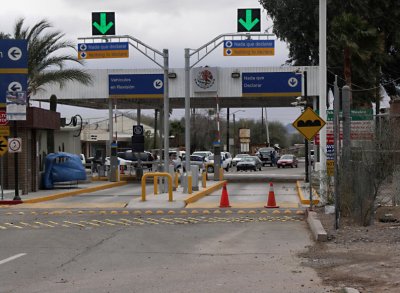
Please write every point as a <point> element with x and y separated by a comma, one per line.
<point>249,20</point>
<point>103,23</point>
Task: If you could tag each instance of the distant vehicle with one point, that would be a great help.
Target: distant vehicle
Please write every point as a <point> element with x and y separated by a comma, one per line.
<point>265,155</point>
<point>252,163</point>
<point>225,163</point>
<point>227,157</point>
<point>176,158</point>
<point>238,158</point>
<point>287,160</point>
<point>83,159</point>
<point>202,153</point>
<point>195,160</point>
<point>121,162</point>
<point>145,157</point>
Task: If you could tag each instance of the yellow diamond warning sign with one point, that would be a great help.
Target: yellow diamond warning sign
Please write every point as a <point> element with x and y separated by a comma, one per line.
<point>309,123</point>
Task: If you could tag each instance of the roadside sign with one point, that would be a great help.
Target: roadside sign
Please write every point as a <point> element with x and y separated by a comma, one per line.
<point>103,23</point>
<point>3,117</point>
<point>13,56</point>
<point>249,48</point>
<point>3,146</point>
<point>138,138</point>
<point>309,123</point>
<point>103,50</point>
<point>136,86</point>
<point>270,84</point>
<point>16,105</point>
<point>4,130</point>
<point>248,20</point>
<point>15,145</point>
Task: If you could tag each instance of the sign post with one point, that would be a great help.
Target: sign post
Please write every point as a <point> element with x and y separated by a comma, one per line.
<point>13,71</point>
<point>309,124</point>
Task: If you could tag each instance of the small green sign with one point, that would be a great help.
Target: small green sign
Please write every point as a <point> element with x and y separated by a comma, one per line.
<point>103,23</point>
<point>249,20</point>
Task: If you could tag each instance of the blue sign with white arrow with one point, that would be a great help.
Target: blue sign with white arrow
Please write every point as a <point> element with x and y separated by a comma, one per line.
<point>13,55</point>
<point>11,83</point>
<point>136,85</point>
<point>268,84</point>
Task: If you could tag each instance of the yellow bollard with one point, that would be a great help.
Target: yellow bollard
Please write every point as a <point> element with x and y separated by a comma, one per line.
<point>176,181</point>
<point>189,181</point>
<point>221,174</point>
<point>204,179</point>
<point>155,185</point>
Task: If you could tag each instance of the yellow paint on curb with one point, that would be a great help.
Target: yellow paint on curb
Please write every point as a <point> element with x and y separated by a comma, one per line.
<point>183,212</point>
<point>137,212</point>
<point>171,212</point>
<point>206,191</point>
<point>159,212</point>
<point>241,212</point>
<point>303,199</point>
<point>287,212</point>
<point>194,212</point>
<point>276,212</point>
<point>206,212</point>
<point>75,192</point>
<point>264,212</point>
<point>148,212</point>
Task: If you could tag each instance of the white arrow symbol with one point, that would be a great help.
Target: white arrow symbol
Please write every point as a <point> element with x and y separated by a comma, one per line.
<point>14,87</point>
<point>82,47</point>
<point>14,53</point>
<point>292,82</point>
<point>158,84</point>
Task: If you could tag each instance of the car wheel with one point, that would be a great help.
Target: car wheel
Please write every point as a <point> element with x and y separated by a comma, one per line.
<point>278,166</point>
<point>210,169</point>
<point>297,166</point>
<point>227,169</point>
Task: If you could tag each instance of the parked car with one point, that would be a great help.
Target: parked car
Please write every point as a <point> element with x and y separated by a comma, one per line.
<point>287,160</point>
<point>145,157</point>
<point>252,163</point>
<point>225,163</point>
<point>237,158</point>
<point>195,160</point>
<point>176,158</point>
<point>265,155</point>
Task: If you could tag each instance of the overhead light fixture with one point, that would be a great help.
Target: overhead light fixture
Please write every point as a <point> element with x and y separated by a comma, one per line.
<point>172,75</point>
<point>235,74</point>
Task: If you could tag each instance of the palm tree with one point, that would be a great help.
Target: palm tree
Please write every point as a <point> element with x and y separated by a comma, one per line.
<point>47,56</point>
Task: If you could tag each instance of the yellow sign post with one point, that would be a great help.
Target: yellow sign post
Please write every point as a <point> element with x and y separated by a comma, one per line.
<point>309,123</point>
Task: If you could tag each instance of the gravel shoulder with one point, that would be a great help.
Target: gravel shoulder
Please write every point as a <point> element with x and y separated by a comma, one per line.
<point>365,258</point>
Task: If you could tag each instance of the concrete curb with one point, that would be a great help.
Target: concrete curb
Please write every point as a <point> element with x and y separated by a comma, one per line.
<point>317,230</point>
<point>350,290</point>
<point>306,200</point>
<point>198,195</point>
<point>75,192</point>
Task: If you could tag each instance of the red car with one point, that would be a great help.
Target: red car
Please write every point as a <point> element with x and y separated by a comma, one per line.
<point>287,160</point>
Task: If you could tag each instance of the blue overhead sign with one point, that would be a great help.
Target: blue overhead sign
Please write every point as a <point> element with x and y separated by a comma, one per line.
<point>136,85</point>
<point>268,84</point>
<point>11,83</point>
<point>13,56</point>
<point>103,50</point>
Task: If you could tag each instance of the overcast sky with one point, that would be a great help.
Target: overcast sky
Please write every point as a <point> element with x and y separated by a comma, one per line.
<point>170,24</point>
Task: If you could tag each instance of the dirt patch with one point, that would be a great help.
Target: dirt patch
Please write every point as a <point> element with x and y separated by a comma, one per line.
<point>365,258</point>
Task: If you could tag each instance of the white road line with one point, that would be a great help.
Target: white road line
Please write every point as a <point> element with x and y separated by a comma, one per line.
<point>11,258</point>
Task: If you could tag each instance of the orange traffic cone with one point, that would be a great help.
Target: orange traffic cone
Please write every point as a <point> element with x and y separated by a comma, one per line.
<point>224,203</point>
<point>271,197</point>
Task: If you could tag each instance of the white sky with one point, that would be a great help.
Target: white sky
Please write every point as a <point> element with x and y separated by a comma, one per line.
<point>171,24</point>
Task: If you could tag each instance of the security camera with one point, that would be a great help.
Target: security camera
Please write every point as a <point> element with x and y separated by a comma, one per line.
<point>298,99</point>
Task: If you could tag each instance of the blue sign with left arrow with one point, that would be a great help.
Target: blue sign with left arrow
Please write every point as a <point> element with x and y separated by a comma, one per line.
<point>13,54</point>
<point>11,83</point>
<point>136,85</point>
<point>268,84</point>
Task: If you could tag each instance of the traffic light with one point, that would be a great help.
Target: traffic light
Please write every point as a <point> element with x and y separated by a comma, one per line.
<point>249,20</point>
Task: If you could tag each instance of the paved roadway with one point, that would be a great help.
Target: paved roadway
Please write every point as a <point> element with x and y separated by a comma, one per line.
<point>122,251</point>
<point>99,249</point>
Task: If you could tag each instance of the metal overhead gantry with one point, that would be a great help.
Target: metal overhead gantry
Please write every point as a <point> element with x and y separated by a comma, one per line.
<point>159,58</point>
<point>200,54</point>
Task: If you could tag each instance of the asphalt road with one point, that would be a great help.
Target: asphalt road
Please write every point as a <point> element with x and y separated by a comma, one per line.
<point>115,251</point>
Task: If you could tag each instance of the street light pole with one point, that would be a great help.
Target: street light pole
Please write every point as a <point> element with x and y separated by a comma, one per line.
<point>227,130</point>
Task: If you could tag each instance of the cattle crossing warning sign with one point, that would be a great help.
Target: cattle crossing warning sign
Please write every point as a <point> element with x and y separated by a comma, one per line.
<point>309,123</point>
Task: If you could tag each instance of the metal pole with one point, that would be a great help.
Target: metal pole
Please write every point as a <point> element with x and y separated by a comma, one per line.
<point>267,126</point>
<point>16,196</point>
<point>227,129</point>
<point>187,108</point>
<point>322,91</point>
<point>166,112</point>
<point>234,135</point>
<point>110,127</point>
<point>310,178</point>
<point>336,137</point>
<point>306,143</point>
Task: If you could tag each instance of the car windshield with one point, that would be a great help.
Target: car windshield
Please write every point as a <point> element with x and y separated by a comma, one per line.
<point>241,155</point>
<point>247,159</point>
<point>287,157</point>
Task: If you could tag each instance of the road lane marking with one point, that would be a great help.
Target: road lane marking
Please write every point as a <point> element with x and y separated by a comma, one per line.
<point>11,258</point>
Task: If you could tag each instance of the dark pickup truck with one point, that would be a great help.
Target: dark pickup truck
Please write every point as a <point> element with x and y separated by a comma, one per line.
<point>265,155</point>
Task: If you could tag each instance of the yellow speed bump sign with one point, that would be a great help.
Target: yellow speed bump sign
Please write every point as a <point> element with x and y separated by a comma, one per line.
<point>3,146</point>
<point>309,123</point>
